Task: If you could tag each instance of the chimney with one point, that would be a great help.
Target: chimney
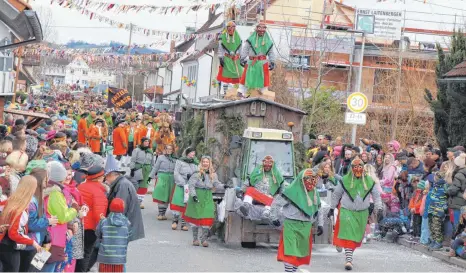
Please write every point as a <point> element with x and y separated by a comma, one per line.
<point>172,46</point>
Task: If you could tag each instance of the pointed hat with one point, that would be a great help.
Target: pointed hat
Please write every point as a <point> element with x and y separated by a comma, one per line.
<point>112,165</point>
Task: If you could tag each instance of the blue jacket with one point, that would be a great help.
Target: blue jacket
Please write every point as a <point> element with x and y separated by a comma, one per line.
<point>113,232</point>
<point>37,227</point>
<point>418,170</point>
<point>438,204</point>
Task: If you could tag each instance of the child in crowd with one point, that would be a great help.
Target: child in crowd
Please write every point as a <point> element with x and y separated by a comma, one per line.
<point>437,210</point>
<point>415,205</point>
<point>113,233</point>
<point>458,245</point>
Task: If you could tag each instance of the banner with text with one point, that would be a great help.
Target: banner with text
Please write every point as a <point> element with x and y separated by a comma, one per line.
<point>380,23</point>
<point>119,98</point>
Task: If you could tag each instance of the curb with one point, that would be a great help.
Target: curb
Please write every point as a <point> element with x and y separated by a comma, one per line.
<point>442,255</point>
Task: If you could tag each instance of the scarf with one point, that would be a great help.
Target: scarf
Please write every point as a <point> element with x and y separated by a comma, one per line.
<point>188,160</point>
<point>259,174</point>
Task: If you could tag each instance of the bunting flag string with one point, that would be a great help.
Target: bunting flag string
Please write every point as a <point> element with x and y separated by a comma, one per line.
<point>169,35</point>
<point>158,9</point>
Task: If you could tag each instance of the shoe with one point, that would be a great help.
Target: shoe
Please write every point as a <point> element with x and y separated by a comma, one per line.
<point>364,240</point>
<point>160,217</point>
<point>339,249</point>
<point>164,218</point>
<point>349,266</point>
<point>142,206</point>
<point>436,246</point>
<point>244,211</point>
<point>452,253</point>
<point>184,228</point>
<point>174,225</point>
<point>205,244</point>
<point>196,243</point>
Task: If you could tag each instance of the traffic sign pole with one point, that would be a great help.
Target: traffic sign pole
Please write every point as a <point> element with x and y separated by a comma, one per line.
<point>361,60</point>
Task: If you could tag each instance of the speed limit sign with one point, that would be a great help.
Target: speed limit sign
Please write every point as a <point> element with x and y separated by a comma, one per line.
<point>357,102</point>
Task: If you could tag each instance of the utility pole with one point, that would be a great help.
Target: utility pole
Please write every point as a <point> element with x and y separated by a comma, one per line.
<point>358,84</point>
<point>128,53</point>
<point>18,67</point>
<point>398,85</point>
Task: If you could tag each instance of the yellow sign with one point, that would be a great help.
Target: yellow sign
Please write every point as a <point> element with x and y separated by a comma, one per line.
<point>357,102</point>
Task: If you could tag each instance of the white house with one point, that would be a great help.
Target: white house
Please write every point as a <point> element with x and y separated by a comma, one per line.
<point>7,75</point>
<point>79,72</point>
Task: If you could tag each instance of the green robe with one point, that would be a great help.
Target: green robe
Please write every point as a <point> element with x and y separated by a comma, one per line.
<point>232,69</point>
<point>255,71</point>
<point>297,234</point>
<point>353,223</point>
<point>258,174</point>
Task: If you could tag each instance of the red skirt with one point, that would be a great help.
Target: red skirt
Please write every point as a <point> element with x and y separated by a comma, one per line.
<point>296,261</point>
<point>259,196</point>
<point>111,268</point>
<point>205,222</point>
<point>266,75</point>
<point>220,78</point>
<point>342,242</point>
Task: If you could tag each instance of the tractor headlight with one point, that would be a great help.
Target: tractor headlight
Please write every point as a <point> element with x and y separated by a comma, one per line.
<point>286,135</point>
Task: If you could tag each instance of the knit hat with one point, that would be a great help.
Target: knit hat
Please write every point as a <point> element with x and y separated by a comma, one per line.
<point>95,172</point>
<point>33,164</point>
<point>460,160</point>
<point>117,205</point>
<point>19,122</point>
<point>56,171</point>
<point>188,151</point>
<point>31,145</point>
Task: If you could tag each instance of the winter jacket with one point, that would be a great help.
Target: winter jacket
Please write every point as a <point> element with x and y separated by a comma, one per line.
<point>124,189</point>
<point>342,166</point>
<point>392,202</point>
<point>164,164</point>
<point>419,170</point>
<point>438,199</point>
<point>459,229</point>
<point>82,131</point>
<point>199,181</point>
<point>95,137</point>
<point>416,201</point>
<point>456,189</point>
<point>183,172</point>
<point>142,157</point>
<point>94,196</point>
<point>18,230</point>
<point>37,226</point>
<point>114,233</point>
<point>120,141</point>
<point>388,178</point>
<point>55,204</point>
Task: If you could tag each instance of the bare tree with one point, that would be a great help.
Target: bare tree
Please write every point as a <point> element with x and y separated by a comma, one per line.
<point>46,20</point>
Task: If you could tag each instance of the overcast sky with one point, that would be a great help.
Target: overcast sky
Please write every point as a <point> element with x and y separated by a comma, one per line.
<point>99,32</point>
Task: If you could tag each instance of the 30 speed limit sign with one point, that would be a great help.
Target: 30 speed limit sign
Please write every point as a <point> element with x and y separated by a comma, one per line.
<point>357,102</point>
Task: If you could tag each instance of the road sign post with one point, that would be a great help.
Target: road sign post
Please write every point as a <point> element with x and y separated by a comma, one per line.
<point>356,103</point>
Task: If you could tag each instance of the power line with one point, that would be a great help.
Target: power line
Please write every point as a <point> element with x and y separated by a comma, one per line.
<point>438,5</point>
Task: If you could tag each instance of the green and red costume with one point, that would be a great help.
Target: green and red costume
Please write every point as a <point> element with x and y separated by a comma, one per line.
<point>351,224</point>
<point>256,71</point>
<point>300,211</point>
<point>229,47</point>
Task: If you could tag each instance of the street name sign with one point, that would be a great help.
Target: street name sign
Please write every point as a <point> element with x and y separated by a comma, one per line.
<point>380,23</point>
<point>355,118</point>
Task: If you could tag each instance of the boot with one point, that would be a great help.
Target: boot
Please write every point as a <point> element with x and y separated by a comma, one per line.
<point>164,218</point>
<point>205,244</point>
<point>184,228</point>
<point>244,210</point>
<point>142,206</point>
<point>349,266</point>
<point>174,225</point>
<point>160,217</point>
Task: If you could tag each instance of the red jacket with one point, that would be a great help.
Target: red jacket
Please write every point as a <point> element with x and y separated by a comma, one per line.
<point>94,196</point>
<point>13,232</point>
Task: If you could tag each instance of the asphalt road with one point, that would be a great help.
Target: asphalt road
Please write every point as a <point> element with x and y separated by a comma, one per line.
<point>167,250</point>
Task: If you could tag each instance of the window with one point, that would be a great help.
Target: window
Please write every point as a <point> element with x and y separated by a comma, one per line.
<point>84,72</point>
<point>192,72</point>
<point>6,64</point>
<point>282,152</point>
<point>298,61</point>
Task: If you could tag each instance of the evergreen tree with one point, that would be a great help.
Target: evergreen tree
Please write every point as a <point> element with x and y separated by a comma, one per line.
<point>450,105</point>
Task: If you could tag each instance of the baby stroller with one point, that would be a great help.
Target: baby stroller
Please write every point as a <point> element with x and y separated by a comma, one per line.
<point>393,226</point>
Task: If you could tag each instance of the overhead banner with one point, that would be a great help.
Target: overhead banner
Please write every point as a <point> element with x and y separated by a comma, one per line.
<point>119,98</point>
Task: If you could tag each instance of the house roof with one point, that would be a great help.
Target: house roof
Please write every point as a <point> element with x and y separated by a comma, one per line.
<point>457,71</point>
<point>187,44</point>
<point>225,104</point>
